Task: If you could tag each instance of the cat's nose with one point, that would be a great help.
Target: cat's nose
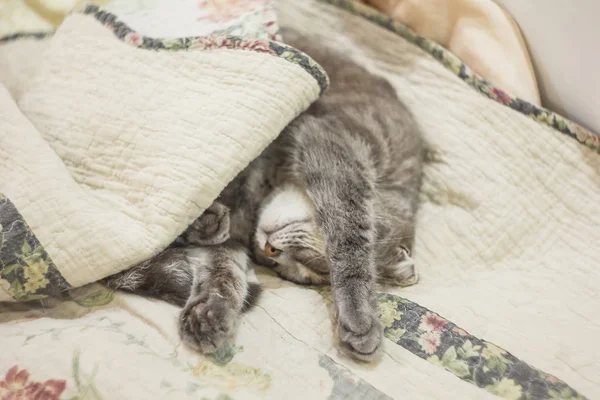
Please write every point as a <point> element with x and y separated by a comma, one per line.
<point>271,251</point>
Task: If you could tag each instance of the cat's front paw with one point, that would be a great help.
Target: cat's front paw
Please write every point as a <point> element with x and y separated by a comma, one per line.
<point>207,322</point>
<point>361,336</point>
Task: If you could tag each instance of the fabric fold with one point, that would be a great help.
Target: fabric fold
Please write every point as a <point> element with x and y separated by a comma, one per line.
<point>133,137</point>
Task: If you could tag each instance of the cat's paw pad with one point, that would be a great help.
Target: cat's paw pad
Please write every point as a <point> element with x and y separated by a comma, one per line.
<point>207,323</point>
<point>362,337</point>
<point>211,228</point>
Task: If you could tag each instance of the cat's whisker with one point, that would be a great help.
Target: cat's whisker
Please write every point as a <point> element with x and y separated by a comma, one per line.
<point>397,239</point>
<point>315,259</point>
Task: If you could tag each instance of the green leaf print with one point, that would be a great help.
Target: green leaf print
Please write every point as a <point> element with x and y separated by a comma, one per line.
<point>388,312</point>
<point>495,359</point>
<point>450,362</point>
<point>561,124</point>
<point>291,56</point>
<point>9,269</point>
<point>100,297</point>
<point>87,389</point>
<point>174,44</point>
<point>495,364</point>
<point>394,334</point>
<point>505,388</point>
<point>225,353</point>
<point>565,394</point>
<point>453,364</point>
<point>16,290</point>
<point>453,63</point>
<point>468,350</point>
<point>26,249</point>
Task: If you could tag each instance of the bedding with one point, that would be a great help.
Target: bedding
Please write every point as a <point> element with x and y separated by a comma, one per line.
<point>480,32</point>
<point>507,245</point>
<point>103,169</point>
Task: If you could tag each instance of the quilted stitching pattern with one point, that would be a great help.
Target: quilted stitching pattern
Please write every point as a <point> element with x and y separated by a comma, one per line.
<point>148,140</point>
<point>507,237</point>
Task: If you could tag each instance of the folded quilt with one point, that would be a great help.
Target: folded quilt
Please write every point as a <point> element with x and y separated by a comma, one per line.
<point>113,142</point>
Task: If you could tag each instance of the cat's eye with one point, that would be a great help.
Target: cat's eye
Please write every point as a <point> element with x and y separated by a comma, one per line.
<point>271,251</point>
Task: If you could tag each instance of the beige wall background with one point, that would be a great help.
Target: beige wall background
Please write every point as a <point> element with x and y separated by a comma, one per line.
<point>564,42</point>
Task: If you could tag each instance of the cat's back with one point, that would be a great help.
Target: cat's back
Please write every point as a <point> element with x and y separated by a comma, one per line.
<point>349,82</point>
<point>360,107</point>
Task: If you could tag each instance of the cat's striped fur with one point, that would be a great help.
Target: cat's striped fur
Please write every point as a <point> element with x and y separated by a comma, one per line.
<point>352,165</point>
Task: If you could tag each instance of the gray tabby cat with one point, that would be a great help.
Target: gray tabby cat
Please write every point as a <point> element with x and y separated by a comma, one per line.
<point>331,200</point>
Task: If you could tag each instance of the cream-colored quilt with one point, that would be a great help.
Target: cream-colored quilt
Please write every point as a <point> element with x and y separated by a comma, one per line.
<point>507,243</point>
<point>114,142</point>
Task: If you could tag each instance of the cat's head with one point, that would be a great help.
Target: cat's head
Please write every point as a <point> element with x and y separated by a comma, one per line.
<point>287,237</point>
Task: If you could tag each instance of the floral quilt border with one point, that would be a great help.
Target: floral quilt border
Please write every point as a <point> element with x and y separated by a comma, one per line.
<point>197,43</point>
<point>24,263</point>
<point>481,363</point>
<point>460,69</point>
<point>436,340</point>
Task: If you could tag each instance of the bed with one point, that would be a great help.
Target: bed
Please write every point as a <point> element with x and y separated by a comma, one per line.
<point>507,244</point>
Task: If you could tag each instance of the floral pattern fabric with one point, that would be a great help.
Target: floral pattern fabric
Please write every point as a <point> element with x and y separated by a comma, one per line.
<point>481,363</point>
<point>25,266</point>
<point>224,11</point>
<point>439,341</point>
<point>16,36</point>
<point>32,275</point>
<point>215,41</point>
<point>16,385</point>
<point>26,270</point>
<point>247,18</point>
<point>454,64</point>
<point>84,371</point>
<point>415,328</point>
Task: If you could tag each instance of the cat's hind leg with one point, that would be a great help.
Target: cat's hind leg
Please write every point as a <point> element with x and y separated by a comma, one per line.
<point>396,207</point>
<point>339,181</point>
<point>400,272</point>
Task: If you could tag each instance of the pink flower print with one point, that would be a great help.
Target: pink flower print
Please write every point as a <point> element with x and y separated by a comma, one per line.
<point>429,342</point>
<point>431,322</point>
<point>202,43</point>
<point>211,42</point>
<point>14,379</point>
<point>16,386</point>
<point>134,39</point>
<point>218,11</point>
<point>255,45</point>
<point>501,96</point>
<point>214,42</point>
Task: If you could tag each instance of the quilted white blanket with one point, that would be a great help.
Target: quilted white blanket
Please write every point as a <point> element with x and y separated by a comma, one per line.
<point>119,141</point>
<point>507,245</point>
